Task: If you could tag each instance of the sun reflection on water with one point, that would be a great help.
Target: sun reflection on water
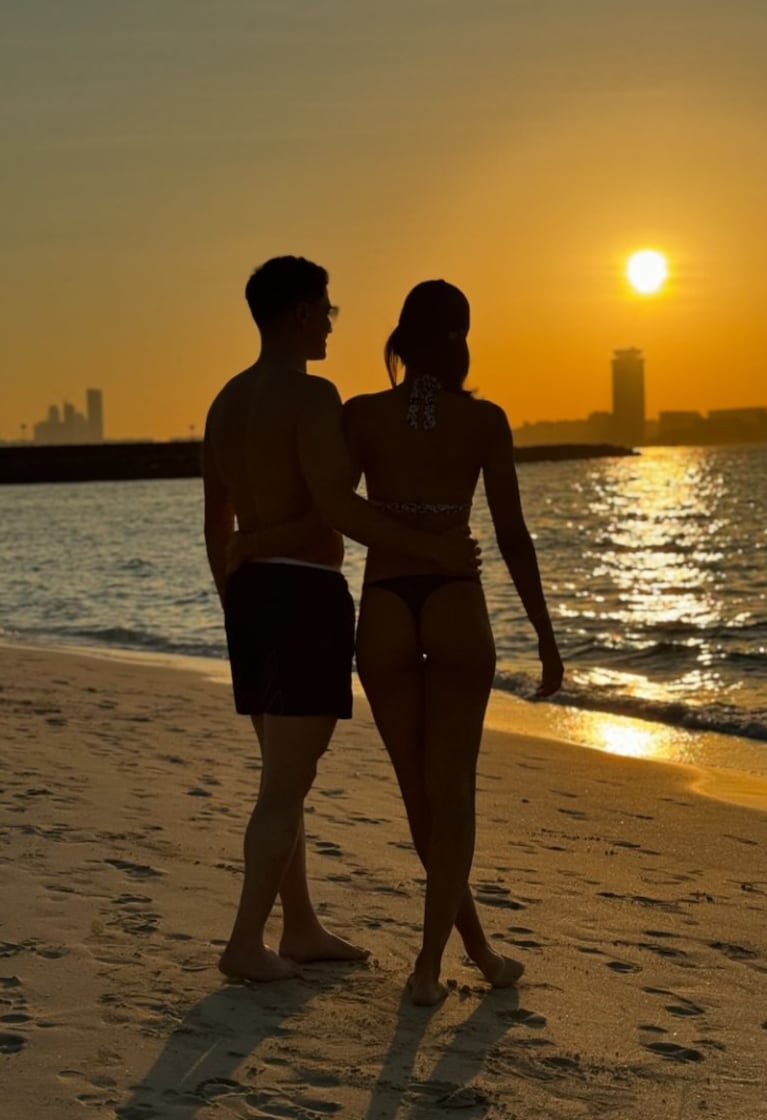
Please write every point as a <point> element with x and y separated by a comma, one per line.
<point>657,545</point>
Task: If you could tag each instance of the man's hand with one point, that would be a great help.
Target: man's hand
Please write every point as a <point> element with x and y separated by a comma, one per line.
<point>457,552</point>
<point>553,670</point>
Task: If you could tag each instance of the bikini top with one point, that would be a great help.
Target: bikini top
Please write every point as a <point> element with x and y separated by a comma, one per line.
<point>421,507</point>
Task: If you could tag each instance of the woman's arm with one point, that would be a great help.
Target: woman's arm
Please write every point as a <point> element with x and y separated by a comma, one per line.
<point>514,540</point>
<point>289,538</point>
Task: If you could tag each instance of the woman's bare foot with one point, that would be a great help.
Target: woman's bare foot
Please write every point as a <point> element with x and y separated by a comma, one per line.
<point>320,945</point>
<point>500,971</point>
<point>260,965</point>
<point>425,991</point>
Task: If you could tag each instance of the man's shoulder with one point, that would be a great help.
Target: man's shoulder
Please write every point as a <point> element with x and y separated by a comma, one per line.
<point>231,388</point>
<point>318,392</point>
<point>321,386</point>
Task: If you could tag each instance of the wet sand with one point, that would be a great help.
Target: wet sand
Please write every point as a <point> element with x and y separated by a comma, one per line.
<point>638,905</point>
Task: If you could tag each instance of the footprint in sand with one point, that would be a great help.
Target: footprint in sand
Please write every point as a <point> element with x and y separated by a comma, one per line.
<point>624,966</point>
<point>11,1043</point>
<point>327,848</point>
<point>674,1053</point>
<point>733,952</point>
<point>135,870</point>
<point>563,1063</point>
<point>14,1014</point>
<point>682,1006</point>
<point>490,894</point>
<point>96,1092</point>
<point>526,1018</point>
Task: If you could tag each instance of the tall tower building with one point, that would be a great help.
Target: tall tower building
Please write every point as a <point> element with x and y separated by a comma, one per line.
<point>95,414</point>
<point>628,396</point>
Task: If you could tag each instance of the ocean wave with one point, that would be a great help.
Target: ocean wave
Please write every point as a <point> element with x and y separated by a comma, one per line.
<point>722,718</point>
<point>120,637</point>
<point>664,653</point>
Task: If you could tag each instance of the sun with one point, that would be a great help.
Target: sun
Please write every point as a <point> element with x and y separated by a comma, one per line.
<point>647,271</point>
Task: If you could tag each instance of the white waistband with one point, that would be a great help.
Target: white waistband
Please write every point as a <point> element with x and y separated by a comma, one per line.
<point>297,563</point>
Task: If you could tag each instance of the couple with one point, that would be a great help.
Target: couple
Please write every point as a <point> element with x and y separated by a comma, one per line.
<point>282,457</point>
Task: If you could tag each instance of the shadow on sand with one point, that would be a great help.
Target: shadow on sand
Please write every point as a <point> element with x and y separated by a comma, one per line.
<point>202,1056</point>
<point>450,1084</point>
<point>213,1053</point>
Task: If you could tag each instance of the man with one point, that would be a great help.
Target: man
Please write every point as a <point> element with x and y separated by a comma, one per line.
<point>274,454</point>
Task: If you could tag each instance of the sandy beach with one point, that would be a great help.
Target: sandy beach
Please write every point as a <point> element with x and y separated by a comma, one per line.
<point>638,905</point>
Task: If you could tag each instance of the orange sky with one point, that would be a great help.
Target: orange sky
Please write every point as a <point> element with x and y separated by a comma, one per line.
<point>521,150</point>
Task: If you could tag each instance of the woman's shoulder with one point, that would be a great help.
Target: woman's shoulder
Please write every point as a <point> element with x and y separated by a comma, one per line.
<point>488,411</point>
<point>365,403</point>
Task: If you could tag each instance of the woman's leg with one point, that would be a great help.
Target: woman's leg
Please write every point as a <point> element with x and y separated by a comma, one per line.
<point>392,671</point>
<point>458,643</point>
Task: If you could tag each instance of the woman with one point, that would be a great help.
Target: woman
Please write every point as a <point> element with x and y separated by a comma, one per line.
<point>425,651</point>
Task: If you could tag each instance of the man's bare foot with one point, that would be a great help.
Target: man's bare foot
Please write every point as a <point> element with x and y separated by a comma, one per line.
<point>500,971</point>
<point>425,991</point>
<point>320,945</point>
<point>260,965</point>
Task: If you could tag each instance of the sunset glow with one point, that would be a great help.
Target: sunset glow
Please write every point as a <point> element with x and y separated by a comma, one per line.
<point>148,174</point>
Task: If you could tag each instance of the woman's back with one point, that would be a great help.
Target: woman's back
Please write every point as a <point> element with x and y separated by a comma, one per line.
<point>421,450</point>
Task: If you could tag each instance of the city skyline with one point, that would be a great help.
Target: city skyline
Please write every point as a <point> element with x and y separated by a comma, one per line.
<point>66,425</point>
<point>627,424</point>
<point>523,152</point>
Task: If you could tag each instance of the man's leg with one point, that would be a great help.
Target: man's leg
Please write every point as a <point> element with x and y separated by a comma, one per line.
<point>291,747</point>
<point>304,938</point>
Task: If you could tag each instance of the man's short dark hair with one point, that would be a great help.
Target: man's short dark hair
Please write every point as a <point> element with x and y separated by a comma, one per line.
<point>280,284</point>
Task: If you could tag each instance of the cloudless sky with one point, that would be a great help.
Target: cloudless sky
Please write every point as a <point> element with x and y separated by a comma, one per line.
<point>156,151</point>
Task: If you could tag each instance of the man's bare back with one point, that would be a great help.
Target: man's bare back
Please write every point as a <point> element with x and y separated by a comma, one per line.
<point>252,436</point>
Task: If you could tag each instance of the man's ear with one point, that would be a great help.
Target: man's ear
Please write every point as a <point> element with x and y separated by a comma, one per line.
<point>302,314</point>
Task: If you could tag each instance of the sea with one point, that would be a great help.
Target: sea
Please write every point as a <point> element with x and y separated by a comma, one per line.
<point>654,567</point>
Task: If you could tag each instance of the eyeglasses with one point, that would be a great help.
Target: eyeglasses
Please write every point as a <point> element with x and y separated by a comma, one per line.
<point>330,310</point>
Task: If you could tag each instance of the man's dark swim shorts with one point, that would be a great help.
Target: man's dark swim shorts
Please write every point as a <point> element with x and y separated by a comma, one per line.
<point>290,632</point>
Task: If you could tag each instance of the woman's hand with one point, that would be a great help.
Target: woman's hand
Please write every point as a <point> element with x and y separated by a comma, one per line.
<point>553,670</point>
<point>286,538</point>
<point>241,548</point>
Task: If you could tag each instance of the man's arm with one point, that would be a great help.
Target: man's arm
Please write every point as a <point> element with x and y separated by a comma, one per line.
<point>219,517</point>
<point>330,476</point>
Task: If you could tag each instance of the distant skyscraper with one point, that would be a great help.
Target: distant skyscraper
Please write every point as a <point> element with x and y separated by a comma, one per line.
<point>70,426</point>
<point>628,396</point>
<point>95,413</point>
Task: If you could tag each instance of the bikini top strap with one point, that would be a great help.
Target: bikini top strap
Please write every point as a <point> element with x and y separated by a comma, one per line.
<point>422,402</point>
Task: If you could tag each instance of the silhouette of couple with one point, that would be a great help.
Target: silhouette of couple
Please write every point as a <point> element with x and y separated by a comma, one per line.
<point>282,458</point>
